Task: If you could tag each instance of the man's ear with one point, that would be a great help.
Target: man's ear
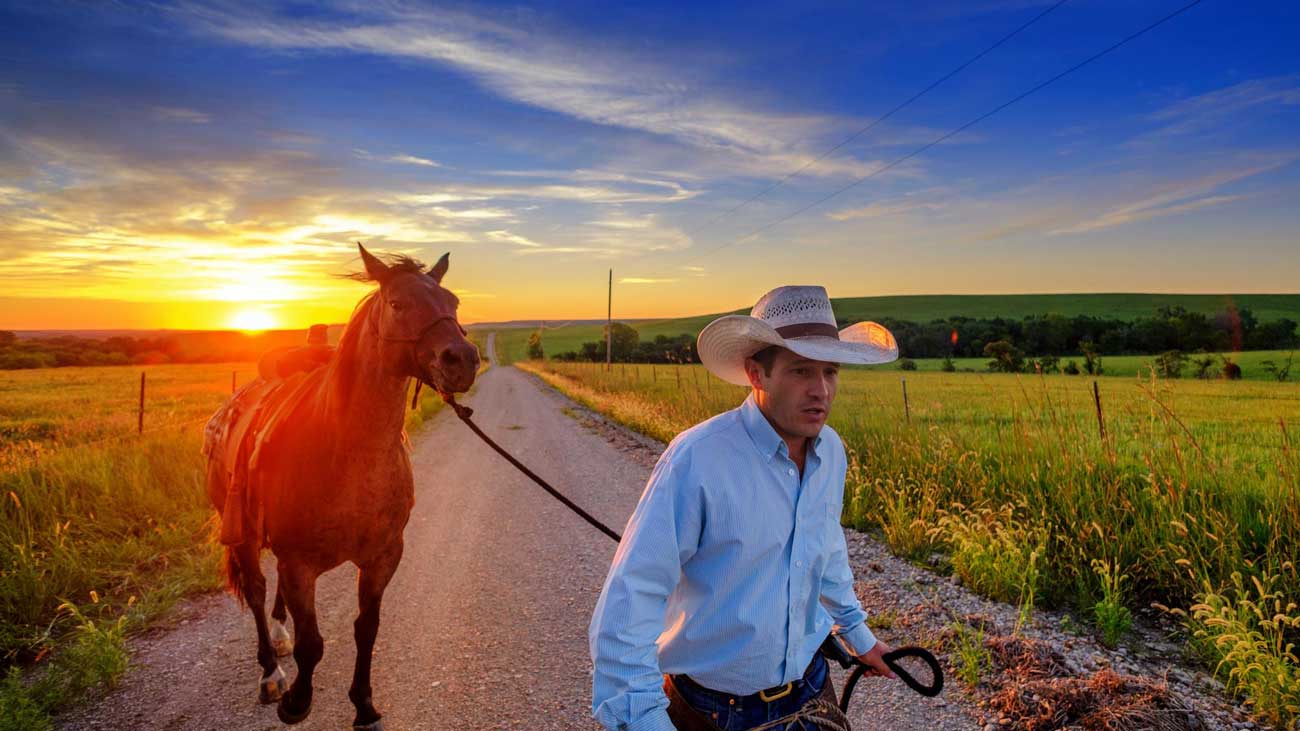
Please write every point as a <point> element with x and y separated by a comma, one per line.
<point>754,370</point>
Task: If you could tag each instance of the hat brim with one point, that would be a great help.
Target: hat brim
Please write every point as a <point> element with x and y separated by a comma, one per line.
<point>727,341</point>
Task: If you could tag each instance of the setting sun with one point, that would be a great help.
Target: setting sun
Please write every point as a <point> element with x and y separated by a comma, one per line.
<point>253,319</point>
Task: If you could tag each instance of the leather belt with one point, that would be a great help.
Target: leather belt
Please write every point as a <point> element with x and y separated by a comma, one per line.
<point>767,695</point>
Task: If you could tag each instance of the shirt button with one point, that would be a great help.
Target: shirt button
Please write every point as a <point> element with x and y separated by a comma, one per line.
<point>798,564</point>
<point>790,472</point>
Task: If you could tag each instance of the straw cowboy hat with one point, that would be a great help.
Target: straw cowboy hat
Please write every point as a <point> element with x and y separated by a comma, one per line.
<point>797,318</point>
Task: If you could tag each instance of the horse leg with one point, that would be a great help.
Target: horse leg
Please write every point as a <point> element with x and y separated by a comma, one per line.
<point>280,638</point>
<point>298,584</point>
<point>253,589</point>
<point>371,582</point>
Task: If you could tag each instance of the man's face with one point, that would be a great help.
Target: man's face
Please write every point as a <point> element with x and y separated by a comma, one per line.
<point>797,395</point>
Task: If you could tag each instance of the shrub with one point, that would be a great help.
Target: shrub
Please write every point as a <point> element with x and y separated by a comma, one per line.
<point>906,364</point>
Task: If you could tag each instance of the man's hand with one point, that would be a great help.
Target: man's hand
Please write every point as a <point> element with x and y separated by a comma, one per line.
<point>874,661</point>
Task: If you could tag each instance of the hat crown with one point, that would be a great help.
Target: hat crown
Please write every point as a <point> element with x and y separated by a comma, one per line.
<point>794,306</point>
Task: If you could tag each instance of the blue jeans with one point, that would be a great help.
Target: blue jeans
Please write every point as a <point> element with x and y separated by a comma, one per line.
<point>740,713</point>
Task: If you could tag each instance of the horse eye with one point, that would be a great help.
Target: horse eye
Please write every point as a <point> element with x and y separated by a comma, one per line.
<point>397,306</point>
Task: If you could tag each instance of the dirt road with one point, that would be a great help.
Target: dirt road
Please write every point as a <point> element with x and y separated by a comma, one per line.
<point>484,625</point>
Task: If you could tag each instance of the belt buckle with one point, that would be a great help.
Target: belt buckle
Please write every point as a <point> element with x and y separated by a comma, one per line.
<point>783,692</point>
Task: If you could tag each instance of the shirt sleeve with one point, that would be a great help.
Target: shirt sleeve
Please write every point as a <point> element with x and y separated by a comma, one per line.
<point>662,534</point>
<point>837,594</point>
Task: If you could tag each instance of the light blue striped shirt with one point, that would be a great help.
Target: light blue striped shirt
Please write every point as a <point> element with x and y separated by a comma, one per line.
<point>732,570</point>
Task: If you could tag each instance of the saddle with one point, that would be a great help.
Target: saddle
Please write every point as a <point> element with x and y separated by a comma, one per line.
<point>250,420</point>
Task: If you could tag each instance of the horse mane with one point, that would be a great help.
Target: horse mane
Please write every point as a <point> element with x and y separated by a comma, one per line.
<point>343,365</point>
<point>396,263</point>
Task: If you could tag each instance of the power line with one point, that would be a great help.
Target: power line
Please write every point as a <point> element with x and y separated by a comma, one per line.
<point>877,121</point>
<point>1038,87</point>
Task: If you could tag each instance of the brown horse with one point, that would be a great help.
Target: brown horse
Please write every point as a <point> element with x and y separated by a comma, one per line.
<point>331,480</point>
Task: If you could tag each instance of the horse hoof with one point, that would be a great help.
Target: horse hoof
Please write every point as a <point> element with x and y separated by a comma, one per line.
<point>376,725</point>
<point>288,716</point>
<point>272,687</point>
<point>280,640</point>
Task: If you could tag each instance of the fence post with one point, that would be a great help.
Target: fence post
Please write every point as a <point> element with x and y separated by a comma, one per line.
<point>907,409</point>
<point>139,427</point>
<point>678,371</point>
<point>1101,423</point>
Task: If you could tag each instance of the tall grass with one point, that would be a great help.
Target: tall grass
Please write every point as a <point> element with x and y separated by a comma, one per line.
<point>1194,482</point>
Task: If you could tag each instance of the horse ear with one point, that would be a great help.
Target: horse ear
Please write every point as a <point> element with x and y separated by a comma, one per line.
<point>375,269</point>
<point>437,271</point>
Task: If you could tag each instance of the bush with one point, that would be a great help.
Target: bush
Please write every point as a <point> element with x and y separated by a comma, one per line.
<point>906,364</point>
<point>948,366</point>
<point>1071,368</point>
<point>1169,364</point>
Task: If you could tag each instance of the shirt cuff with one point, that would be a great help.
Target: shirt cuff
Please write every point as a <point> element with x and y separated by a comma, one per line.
<point>859,640</point>
<point>655,721</point>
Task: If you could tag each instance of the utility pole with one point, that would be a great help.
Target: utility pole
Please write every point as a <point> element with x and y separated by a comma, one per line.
<point>609,324</point>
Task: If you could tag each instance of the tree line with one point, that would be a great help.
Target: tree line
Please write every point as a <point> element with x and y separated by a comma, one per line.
<point>1037,341</point>
<point>197,347</point>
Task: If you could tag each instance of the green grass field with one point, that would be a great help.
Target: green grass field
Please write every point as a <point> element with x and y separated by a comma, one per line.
<point>101,529</point>
<point>1192,492</point>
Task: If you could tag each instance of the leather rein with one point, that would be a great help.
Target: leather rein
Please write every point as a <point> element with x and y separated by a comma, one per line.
<point>830,647</point>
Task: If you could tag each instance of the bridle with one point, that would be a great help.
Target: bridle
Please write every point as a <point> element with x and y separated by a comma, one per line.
<point>419,379</point>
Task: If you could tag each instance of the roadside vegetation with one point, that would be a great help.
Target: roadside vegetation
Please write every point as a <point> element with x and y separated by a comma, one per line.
<point>1188,501</point>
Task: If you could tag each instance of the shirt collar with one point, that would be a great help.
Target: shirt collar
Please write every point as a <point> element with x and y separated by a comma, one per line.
<point>765,438</point>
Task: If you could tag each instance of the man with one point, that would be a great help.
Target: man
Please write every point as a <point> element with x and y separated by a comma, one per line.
<point>733,567</point>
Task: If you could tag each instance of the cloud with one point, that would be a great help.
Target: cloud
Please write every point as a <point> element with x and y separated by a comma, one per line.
<point>879,209</point>
<point>180,114</point>
<point>532,66</point>
<point>1210,109</point>
<point>401,159</point>
<point>646,280</point>
<point>1173,198</point>
<point>512,238</point>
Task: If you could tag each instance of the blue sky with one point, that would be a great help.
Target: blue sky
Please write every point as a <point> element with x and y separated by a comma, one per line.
<point>228,154</point>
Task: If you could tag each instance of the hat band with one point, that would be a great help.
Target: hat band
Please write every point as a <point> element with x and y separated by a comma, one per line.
<point>805,329</point>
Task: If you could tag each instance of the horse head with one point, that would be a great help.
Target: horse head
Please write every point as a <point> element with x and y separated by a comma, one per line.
<point>415,321</point>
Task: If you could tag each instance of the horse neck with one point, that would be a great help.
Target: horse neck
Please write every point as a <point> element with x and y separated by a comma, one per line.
<point>364,401</point>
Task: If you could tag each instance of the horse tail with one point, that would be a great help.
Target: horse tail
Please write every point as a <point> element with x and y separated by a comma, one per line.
<point>235,575</point>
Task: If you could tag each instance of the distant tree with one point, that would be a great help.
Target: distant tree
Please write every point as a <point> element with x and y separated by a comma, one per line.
<point>535,346</point>
<point>7,338</point>
<point>948,366</point>
<point>1071,368</point>
<point>906,364</point>
<point>1231,371</point>
<point>1091,358</point>
<point>1169,364</point>
<point>1049,364</point>
<point>1006,358</point>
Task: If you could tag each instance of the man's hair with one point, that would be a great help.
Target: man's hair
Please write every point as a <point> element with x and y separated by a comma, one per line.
<point>767,358</point>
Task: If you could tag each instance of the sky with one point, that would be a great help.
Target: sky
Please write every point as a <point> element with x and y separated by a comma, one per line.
<point>213,164</point>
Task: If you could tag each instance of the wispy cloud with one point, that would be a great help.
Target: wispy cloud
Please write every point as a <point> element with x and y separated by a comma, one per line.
<point>180,114</point>
<point>1173,198</point>
<point>544,70</point>
<point>1209,110</point>
<point>879,209</point>
<point>401,159</point>
<point>646,280</point>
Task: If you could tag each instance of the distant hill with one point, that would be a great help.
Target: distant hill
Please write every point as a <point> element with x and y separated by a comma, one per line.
<point>925,308</point>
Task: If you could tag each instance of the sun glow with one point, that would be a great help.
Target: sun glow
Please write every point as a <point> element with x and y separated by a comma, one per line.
<point>253,319</point>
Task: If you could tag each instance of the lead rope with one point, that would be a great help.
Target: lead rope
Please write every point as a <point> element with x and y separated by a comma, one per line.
<point>833,652</point>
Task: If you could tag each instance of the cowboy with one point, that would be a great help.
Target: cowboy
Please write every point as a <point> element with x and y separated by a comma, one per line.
<point>733,568</point>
